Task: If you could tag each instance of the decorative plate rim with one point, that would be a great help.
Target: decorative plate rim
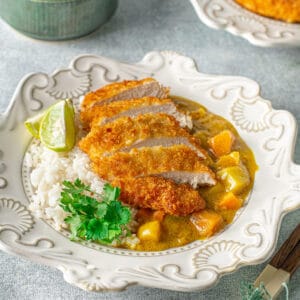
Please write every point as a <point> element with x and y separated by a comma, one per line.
<point>257,29</point>
<point>196,266</point>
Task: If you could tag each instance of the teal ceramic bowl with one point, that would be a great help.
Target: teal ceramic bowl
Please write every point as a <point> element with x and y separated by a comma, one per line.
<point>56,19</point>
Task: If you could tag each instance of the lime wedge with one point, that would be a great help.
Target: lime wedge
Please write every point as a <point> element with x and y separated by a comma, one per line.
<point>33,125</point>
<point>57,127</point>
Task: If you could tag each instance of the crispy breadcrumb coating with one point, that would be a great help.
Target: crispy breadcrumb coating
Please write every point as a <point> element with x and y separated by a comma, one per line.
<point>111,90</point>
<point>125,131</point>
<point>136,141</point>
<point>127,89</point>
<point>99,113</point>
<point>150,161</point>
<point>159,193</point>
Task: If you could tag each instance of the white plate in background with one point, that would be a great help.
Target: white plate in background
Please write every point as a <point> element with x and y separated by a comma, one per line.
<point>258,30</point>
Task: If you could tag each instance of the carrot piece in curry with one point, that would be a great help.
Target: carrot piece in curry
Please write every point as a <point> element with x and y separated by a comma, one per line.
<point>229,160</point>
<point>229,201</point>
<point>207,222</point>
<point>221,144</point>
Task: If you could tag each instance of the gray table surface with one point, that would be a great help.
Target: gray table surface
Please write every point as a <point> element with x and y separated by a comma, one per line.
<point>138,27</point>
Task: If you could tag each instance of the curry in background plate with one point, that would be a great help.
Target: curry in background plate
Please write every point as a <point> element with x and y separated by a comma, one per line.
<point>285,10</point>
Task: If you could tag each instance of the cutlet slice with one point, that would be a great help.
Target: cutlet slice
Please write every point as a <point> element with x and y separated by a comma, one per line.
<point>168,141</point>
<point>179,163</point>
<point>159,193</point>
<point>103,114</point>
<point>147,130</point>
<point>127,89</point>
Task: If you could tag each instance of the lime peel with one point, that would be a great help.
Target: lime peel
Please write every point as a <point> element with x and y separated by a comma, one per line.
<point>55,127</point>
<point>33,125</point>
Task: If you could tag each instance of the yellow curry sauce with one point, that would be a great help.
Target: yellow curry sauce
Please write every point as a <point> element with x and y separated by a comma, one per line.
<point>178,231</point>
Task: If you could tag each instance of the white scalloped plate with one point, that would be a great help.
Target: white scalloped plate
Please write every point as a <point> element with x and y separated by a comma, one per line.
<point>250,239</point>
<point>258,30</point>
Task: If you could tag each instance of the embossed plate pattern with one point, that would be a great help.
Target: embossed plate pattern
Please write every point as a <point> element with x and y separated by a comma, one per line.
<point>258,30</point>
<point>250,239</point>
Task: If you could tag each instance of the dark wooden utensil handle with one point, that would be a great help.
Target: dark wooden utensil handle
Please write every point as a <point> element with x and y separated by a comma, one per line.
<point>292,262</point>
<point>287,248</point>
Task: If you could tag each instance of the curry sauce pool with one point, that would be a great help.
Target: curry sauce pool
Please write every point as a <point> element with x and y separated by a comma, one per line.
<point>178,231</point>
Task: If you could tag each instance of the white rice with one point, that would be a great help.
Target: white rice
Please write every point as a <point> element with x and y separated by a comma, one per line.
<point>48,170</point>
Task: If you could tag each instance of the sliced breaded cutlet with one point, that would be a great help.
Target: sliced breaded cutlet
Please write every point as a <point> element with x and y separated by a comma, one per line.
<point>103,114</point>
<point>159,193</point>
<point>179,163</point>
<point>138,141</point>
<point>146,130</point>
<point>128,89</point>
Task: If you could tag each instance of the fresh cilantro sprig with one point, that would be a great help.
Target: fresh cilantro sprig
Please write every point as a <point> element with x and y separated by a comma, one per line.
<point>100,220</point>
<point>250,292</point>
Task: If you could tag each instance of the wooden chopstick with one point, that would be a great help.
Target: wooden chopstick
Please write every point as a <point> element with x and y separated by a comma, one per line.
<point>282,266</point>
<point>292,262</point>
<point>287,249</point>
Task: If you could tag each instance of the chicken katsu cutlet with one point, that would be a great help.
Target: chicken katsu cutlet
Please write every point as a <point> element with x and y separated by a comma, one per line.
<point>160,193</point>
<point>178,162</point>
<point>138,140</point>
<point>146,130</point>
<point>128,89</point>
<point>103,114</point>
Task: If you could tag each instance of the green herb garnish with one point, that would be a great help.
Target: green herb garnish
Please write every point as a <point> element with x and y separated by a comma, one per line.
<point>249,292</point>
<point>102,220</point>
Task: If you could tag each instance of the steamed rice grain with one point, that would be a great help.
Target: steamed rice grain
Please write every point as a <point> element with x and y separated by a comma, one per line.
<point>48,170</point>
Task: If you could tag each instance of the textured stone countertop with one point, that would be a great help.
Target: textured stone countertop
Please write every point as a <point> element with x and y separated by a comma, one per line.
<point>138,27</point>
